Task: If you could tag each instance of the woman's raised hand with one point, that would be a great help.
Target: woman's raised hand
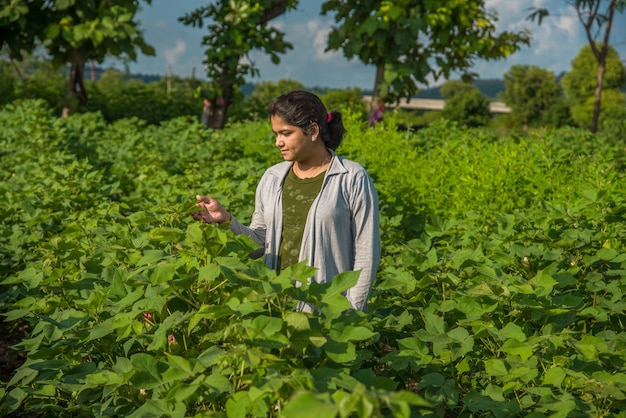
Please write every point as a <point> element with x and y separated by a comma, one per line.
<point>211,211</point>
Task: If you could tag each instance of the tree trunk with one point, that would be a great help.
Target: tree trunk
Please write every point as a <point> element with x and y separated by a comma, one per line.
<point>222,102</point>
<point>380,77</point>
<point>93,71</point>
<point>76,86</point>
<point>600,56</point>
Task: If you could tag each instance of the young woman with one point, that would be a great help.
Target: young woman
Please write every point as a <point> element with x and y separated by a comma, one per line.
<point>314,206</point>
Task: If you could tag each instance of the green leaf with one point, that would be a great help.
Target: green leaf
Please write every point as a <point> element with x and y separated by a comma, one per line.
<point>64,4</point>
<point>52,31</point>
<point>544,283</point>
<point>512,330</point>
<point>434,325</point>
<point>303,403</point>
<point>340,352</point>
<point>518,348</point>
<point>431,379</point>
<point>496,368</point>
<point>590,346</point>
<point>554,377</point>
<point>339,285</point>
<point>345,332</point>
<point>266,325</point>
<point>101,330</point>
<point>607,254</point>
<point>211,356</point>
<point>297,321</point>
<point>209,273</point>
<point>14,399</point>
<point>163,273</point>
<point>218,383</point>
<point>157,408</point>
<point>151,257</point>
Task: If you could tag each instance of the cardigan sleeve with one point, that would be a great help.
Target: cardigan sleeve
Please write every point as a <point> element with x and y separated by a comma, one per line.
<point>366,236</point>
<point>257,228</point>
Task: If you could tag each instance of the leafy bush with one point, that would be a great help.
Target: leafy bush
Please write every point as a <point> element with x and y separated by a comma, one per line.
<point>465,104</point>
<point>499,293</point>
<point>348,100</point>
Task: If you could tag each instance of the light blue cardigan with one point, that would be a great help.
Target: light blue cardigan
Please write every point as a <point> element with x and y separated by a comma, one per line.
<point>342,230</point>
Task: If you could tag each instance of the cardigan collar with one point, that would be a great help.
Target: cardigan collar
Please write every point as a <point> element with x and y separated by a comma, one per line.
<point>336,166</point>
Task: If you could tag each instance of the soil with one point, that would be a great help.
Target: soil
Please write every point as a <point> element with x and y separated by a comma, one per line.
<point>11,333</point>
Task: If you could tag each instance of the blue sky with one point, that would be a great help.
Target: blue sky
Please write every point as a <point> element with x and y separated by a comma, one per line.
<point>555,43</point>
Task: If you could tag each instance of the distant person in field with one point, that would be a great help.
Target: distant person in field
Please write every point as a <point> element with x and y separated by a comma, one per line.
<point>377,114</point>
<point>315,205</point>
<point>207,112</point>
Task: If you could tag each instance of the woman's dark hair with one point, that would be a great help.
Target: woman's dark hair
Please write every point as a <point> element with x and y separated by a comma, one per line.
<point>302,109</point>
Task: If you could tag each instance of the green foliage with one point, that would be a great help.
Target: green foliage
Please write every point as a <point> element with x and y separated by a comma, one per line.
<point>465,104</point>
<point>413,118</point>
<point>580,82</point>
<point>7,82</point>
<point>614,126</point>
<point>500,291</point>
<point>265,91</point>
<point>256,104</point>
<point>597,19</point>
<point>346,100</point>
<point>32,78</point>
<point>114,94</point>
<point>452,88</point>
<point>73,32</point>
<point>117,97</point>
<point>613,101</point>
<point>236,29</point>
<point>417,40</point>
<point>534,97</point>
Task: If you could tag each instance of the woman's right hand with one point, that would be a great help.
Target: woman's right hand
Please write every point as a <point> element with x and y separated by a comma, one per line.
<point>211,211</point>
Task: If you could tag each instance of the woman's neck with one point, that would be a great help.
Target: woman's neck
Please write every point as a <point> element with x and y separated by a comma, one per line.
<point>313,167</point>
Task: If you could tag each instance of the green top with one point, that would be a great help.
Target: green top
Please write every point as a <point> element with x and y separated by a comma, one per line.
<point>298,196</point>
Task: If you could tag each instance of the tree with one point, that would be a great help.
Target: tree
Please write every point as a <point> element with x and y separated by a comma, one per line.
<point>73,32</point>
<point>534,96</point>
<point>32,77</point>
<point>579,84</point>
<point>237,28</point>
<point>465,104</point>
<point>265,91</point>
<point>409,41</point>
<point>255,105</point>
<point>594,18</point>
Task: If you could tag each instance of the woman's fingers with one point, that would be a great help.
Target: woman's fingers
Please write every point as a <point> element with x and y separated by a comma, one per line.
<point>212,210</point>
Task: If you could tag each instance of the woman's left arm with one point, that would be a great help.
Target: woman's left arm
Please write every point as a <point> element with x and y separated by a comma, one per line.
<point>366,236</point>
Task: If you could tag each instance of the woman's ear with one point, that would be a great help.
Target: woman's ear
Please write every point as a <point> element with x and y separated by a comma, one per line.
<point>315,131</point>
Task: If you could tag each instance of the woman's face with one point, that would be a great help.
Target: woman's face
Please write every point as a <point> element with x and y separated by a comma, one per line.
<point>293,143</point>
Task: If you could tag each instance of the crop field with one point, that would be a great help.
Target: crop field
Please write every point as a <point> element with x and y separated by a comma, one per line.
<point>500,292</point>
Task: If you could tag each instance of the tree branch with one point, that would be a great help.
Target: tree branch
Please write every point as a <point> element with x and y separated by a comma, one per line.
<point>276,10</point>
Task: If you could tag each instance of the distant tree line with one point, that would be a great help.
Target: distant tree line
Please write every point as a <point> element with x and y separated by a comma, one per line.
<point>407,42</point>
<point>537,97</point>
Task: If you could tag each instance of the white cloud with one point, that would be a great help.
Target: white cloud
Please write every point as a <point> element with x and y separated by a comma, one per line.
<point>318,32</point>
<point>554,43</point>
<point>160,25</point>
<point>569,24</point>
<point>173,55</point>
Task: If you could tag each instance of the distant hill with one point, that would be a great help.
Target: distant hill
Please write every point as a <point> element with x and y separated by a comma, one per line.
<point>98,71</point>
<point>490,88</point>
